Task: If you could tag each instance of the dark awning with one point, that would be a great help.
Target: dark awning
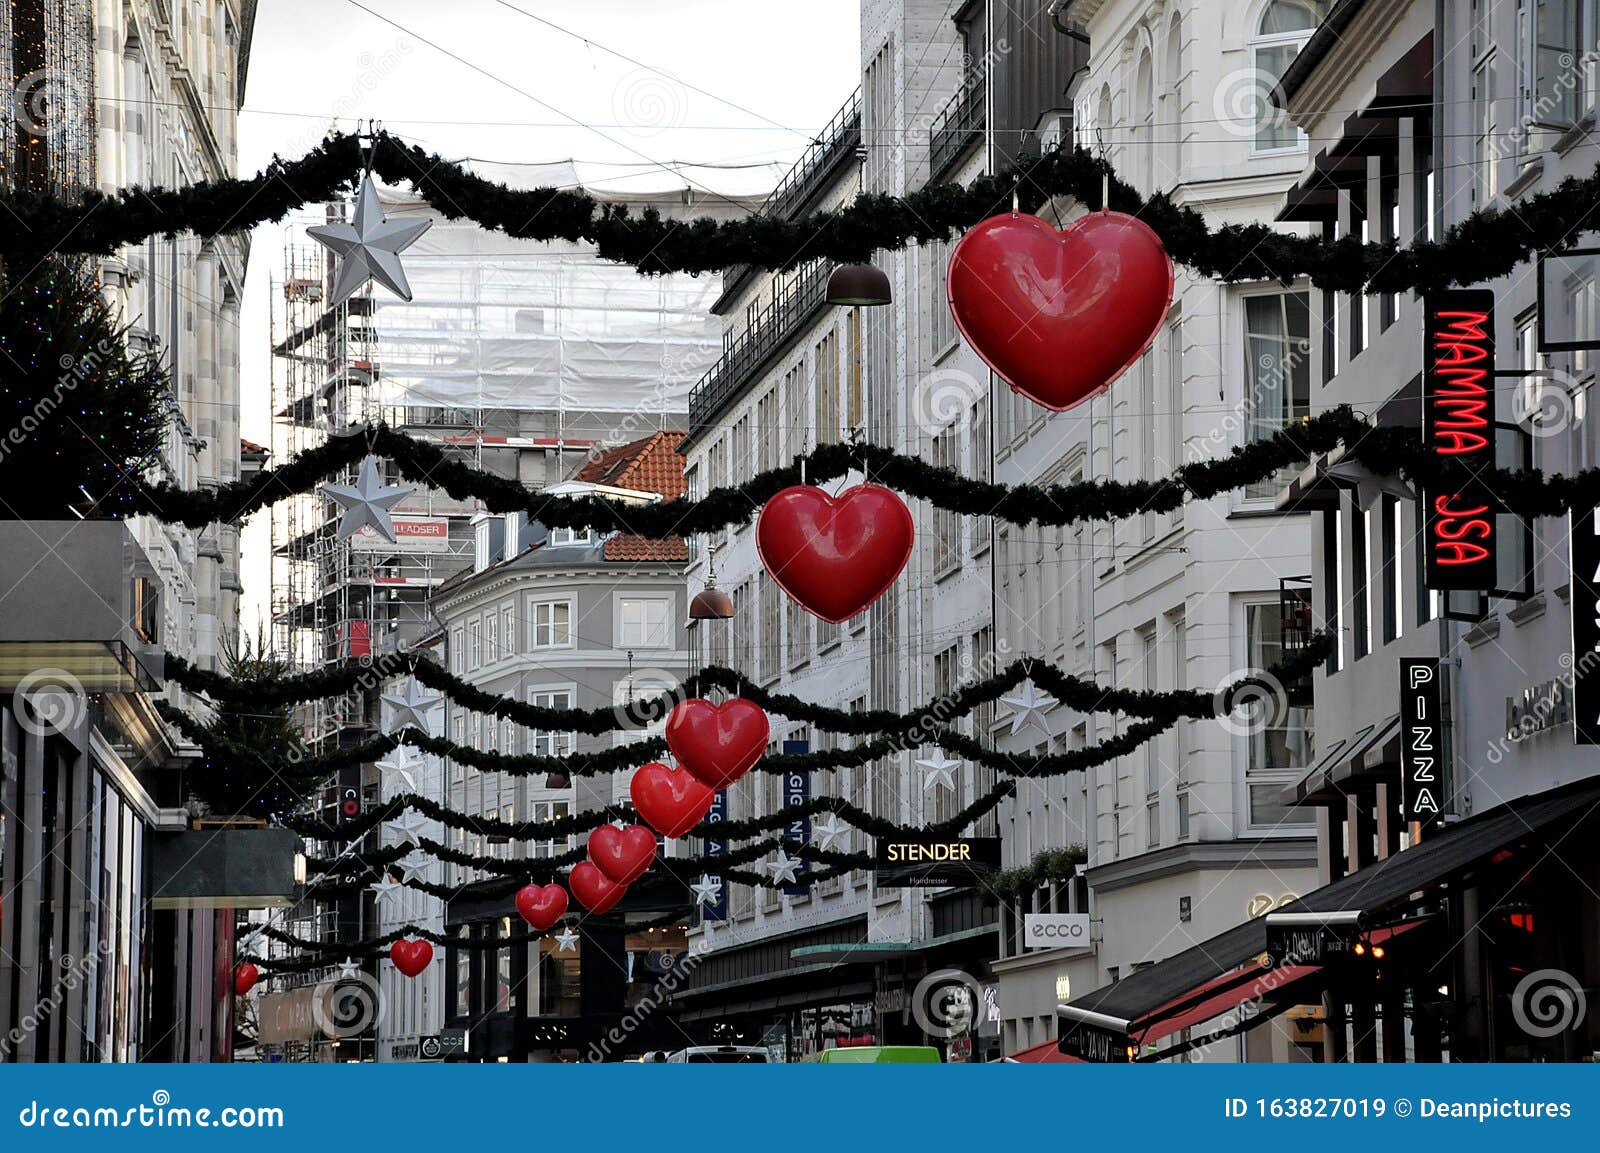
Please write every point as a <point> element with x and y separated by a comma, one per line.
<point>1370,753</point>
<point>1367,899</point>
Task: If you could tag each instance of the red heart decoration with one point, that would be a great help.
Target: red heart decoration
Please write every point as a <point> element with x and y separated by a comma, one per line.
<point>622,854</point>
<point>594,890</point>
<point>717,744</point>
<point>670,800</point>
<point>835,555</point>
<point>541,905</point>
<point>411,957</point>
<point>1060,315</point>
<point>245,977</point>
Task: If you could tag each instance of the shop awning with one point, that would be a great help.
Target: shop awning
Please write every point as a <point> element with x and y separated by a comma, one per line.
<point>1371,752</point>
<point>1315,930</point>
<point>1048,1053</point>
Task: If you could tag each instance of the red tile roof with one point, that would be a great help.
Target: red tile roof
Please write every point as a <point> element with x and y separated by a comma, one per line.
<point>648,465</point>
<point>251,448</point>
<point>626,548</point>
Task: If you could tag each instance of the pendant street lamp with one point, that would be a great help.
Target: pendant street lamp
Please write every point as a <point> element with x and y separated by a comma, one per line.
<point>859,284</point>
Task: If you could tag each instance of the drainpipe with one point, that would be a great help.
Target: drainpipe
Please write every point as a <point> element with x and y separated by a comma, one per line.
<point>1059,11</point>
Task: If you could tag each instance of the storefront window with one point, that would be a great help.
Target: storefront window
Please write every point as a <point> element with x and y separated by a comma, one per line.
<point>1284,28</point>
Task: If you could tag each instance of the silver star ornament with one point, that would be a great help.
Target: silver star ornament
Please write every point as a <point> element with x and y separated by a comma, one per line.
<point>411,708</point>
<point>1029,707</point>
<point>707,891</point>
<point>367,503</point>
<point>830,834</point>
<point>566,940</point>
<point>938,770</point>
<point>781,869</point>
<point>368,247</point>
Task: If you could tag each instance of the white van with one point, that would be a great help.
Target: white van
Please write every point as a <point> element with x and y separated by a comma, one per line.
<point>721,1055</point>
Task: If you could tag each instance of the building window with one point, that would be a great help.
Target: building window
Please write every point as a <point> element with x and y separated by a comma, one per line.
<point>644,623</point>
<point>771,628</point>
<point>546,742</point>
<point>549,811</point>
<point>767,430</point>
<point>827,357</point>
<point>1486,122</point>
<point>854,402</point>
<point>458,650</point>
<point>1279,734</point>
<point>799,634</point>
<point>946,543</point>
<point>1557,77</point>
<point>741,450</point>
<point>941,320</point>
<point>1277,349</point>
<point>491,637</point>
<point>508,629</point>
<point>794,416</point>
<point>551,624</point>
<point>474,643</point>
<point>570,537</point>
<point>1284,28</point>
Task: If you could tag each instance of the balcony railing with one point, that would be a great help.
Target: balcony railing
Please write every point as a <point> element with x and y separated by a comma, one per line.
<point>959,124</point>
<point>839,139</point>
<point>774,326</point>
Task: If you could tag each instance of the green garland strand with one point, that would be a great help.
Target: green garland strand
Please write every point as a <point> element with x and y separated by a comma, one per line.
<point>1487,244</point>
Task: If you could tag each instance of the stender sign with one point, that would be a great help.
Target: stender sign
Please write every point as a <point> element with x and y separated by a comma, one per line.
<point>1458,425</point>
<point>906,862</point>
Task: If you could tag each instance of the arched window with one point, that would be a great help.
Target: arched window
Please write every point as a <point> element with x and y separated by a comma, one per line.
<point>1102,118</point>
<point>1171,118</point>
<point>1283,29</point>
<point>1144,115</point>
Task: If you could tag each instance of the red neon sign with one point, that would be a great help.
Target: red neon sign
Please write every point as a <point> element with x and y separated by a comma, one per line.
<point>1458,414</point>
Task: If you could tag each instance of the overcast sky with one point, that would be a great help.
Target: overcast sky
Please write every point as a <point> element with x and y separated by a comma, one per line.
<point>480,79</point>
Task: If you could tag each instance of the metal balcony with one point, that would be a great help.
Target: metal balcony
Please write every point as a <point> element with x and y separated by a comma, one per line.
<point>771,332</point>
<point>960,123</point>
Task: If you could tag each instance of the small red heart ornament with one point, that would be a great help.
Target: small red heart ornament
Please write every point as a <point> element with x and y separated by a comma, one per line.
<point>411,957</point>
<point>671,801</point>
<point>245,977</point>
<point>622,854</point>
<point>717,744</point>
<point>835,555</point>
<point>1059,315</point>
<point>593,889</point>
<point>541,905</point>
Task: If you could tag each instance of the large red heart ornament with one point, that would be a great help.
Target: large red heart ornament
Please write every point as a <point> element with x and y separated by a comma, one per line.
<point>622,854</point>
<point>835,555</point>
<point>411,957</point>
<point>541,905</point>
<point>671,801</point>
<point>245,977</point>
<point>718,744</point>
<point>593,889</point>
<point>1060,315</point>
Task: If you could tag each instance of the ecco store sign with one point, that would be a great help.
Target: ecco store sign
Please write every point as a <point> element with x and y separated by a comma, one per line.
<point>1055,930</point>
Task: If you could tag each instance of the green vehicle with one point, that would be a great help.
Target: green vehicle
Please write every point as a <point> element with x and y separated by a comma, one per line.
<point>879,1055</point>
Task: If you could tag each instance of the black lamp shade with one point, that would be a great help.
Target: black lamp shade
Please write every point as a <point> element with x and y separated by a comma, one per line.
<point>859,284</point>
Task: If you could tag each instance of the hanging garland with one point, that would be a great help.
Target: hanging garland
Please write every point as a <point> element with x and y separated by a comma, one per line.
<point>1049,866</point>
<point>1487,244</point>
<point>1077,693</point>
<point>1383,450</point>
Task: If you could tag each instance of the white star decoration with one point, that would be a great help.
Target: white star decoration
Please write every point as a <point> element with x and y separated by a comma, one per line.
<point>411,865</point>
<point>408,824</point>
<point>349,968</point>
<point>781,869</point>
<point>369,246</point>
<point>411,708</point>
<point>1029,708</point>
<point>830,835</point>
<point>367,502</point>
<point>938,770</point>
<point>566,940</point>
<point>401,764</point>
<point>707,891</point>
<point>385,886</point>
